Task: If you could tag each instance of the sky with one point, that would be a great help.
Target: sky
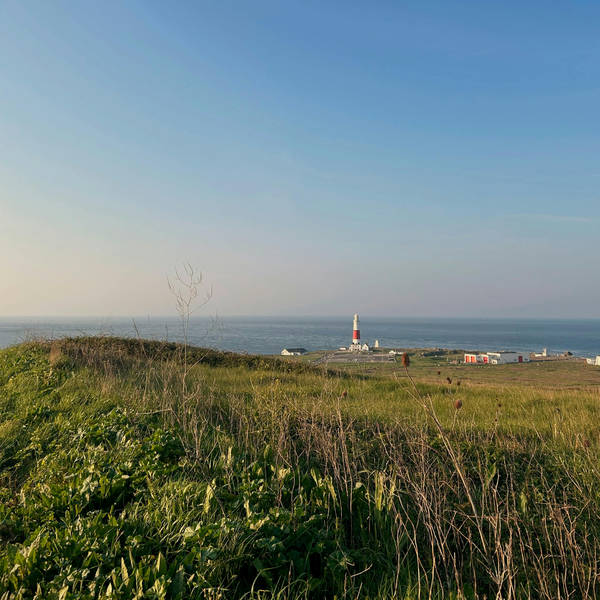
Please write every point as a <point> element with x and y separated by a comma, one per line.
<point>309,158</point>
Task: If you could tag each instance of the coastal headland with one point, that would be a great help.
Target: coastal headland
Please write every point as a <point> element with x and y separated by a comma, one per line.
<point>132,468</point>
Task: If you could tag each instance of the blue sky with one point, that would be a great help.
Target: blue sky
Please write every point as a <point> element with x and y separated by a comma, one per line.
<point>413,159</point>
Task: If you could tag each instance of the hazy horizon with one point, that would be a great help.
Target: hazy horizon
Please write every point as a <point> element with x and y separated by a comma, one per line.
<point>347,317</point>
<point>269,334</point>
<point>429,161</point>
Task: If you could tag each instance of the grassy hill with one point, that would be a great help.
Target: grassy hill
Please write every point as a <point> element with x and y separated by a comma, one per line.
<point>133,469</point>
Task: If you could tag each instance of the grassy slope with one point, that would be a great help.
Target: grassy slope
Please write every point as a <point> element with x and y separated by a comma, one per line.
<point>122,479</point>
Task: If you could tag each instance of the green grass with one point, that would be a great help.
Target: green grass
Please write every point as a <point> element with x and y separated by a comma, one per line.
<point>131,469</point>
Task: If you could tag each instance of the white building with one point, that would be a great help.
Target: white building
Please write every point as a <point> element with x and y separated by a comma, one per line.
<point>293,351</point>
<point>503,357</point>
<point>496,358</point>
<point>594,361</point>
<point>358,347</point>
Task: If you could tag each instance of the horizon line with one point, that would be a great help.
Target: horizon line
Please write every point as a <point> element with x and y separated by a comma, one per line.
<point>300,316</point>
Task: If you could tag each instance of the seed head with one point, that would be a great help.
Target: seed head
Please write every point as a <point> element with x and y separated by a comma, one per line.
<point>458,404</point>
<point>405,359</point>
<point>448,380</point>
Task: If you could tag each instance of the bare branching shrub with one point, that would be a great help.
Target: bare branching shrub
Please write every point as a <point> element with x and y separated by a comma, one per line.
<point>186,287</point>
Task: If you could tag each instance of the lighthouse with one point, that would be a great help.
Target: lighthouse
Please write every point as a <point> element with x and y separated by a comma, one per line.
<point>356,345</point>
<point>355,331</point>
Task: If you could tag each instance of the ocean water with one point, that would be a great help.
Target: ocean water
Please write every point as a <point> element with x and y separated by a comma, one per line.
<point>268,335</point>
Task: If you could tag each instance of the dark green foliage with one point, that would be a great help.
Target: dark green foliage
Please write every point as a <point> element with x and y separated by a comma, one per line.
<point>85,522</point>
<point>108,505</point>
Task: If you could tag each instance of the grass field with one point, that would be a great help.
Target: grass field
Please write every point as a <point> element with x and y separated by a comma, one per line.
<point>133,469</point>
<point>551,374</point>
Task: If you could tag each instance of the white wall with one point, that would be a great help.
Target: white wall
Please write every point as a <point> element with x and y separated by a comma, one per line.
<point>497,358</point>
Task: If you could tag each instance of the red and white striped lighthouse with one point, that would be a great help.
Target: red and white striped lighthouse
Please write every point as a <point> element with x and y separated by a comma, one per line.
<point>356,331</point>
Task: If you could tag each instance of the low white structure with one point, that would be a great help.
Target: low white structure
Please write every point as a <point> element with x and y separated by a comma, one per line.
<point>496,358</point>
<point>504,357</point>
<point>293,351</point>
<point>594,361</point>
<point>358,347</point>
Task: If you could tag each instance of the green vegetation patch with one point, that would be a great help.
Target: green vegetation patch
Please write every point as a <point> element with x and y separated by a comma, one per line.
<point>143,475</point>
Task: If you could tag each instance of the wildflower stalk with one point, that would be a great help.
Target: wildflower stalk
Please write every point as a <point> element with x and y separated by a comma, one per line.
<point>427,404</point>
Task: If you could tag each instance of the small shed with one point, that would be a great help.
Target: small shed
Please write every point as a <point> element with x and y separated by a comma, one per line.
<point>471,357</point>
<point>293,351</point>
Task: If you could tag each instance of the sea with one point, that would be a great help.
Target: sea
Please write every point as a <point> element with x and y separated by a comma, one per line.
<point>269,335</point>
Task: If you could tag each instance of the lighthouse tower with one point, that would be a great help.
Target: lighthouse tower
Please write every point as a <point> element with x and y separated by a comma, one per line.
<point>357,345</point>
<point>355,331</point>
